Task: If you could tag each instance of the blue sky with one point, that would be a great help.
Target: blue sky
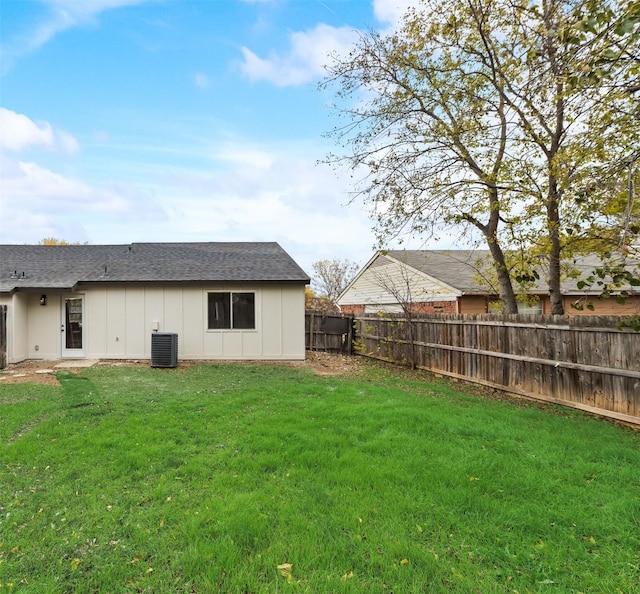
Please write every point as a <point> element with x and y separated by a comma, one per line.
<point>177,120</point>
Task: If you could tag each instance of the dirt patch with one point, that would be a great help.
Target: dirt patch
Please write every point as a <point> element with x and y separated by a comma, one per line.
<point>43,372</point>
<point>333,364</point>
<point>32,372</point>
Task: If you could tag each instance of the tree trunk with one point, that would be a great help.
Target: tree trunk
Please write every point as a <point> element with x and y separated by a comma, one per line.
<point>553,222</point>
<point>490,232</point>
<point>505,288</point>
<point>553,192</point>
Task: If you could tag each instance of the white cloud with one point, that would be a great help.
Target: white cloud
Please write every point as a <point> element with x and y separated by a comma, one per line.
<point>81,10</point>
<point>28,186</point>
<point>249,192</point>
<point>305,60</point>
<point>38,202</point>
<point>309,50</point>
<point>201,80</point>
<point>268,194</point>
<point>19,132</point>
<point>255,158</point>
<point>63,15</point>
<point>391,11</point>
<point>47,191</point>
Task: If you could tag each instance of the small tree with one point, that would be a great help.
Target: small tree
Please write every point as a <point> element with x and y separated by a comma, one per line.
<point>332,277</point>
<point>309,297</point>
<point>401,286</point>
<point>55,241</point>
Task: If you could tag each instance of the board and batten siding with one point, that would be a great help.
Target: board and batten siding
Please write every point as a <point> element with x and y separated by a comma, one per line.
<point>33,331</point>
<point>385,279</point>
<point>17,341</point>
<point>119,321</point>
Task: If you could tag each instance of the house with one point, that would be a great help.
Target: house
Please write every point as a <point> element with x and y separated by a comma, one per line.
<point>240,301</point>
<point>460,281</point>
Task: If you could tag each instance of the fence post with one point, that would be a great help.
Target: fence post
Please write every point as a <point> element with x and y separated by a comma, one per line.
<point>350,334</point>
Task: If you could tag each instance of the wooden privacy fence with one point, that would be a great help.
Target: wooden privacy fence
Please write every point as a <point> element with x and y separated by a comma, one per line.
<point>328,332</point>
<point>585,362</point>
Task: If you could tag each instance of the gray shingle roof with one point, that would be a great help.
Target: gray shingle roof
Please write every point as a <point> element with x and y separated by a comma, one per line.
<point>457,268</point>
<point>462,268</point>
<point>63,267</point>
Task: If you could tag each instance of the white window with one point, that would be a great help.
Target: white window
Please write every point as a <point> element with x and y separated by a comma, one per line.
<point>228,311</point>
<point>530,307</point>
<point>388,308</point>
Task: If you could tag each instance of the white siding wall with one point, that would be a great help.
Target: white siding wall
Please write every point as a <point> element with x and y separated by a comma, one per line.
<point>33,330</point>
<point>285,308</point>
<point>43,326</point>
<point>119,321</point>
<point>385,279</point>
<point>17,346</point>
<point>279,334</point>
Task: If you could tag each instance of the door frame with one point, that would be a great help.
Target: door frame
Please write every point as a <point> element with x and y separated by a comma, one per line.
<point>66,351</point>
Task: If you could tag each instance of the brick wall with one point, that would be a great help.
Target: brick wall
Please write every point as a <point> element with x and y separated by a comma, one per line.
<point>435,307</point>
<point>352,309</point>
<point>477,304</point>
<point>604,307</point>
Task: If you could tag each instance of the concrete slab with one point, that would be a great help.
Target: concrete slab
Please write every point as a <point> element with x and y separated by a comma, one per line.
<point>76,363</point>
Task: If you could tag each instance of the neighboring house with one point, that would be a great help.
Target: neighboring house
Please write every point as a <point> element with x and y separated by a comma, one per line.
<point>224,300</point>
<point>459,281</point>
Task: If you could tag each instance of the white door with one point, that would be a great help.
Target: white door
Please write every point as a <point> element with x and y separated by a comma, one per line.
<point>72,326</point>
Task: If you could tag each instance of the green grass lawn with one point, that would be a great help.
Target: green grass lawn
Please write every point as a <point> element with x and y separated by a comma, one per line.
<point>268,479</point>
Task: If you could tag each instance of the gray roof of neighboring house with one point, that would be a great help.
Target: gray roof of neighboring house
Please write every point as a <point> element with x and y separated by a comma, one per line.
<point>457,268</point>
<point>463,269</point>
<point>64,266</point>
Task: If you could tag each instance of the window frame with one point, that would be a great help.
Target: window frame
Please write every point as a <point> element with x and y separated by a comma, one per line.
<point>535,308</point>
<point>231,311</point>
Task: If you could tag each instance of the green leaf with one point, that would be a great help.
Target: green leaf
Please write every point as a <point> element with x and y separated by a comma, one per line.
<point>624,27</point>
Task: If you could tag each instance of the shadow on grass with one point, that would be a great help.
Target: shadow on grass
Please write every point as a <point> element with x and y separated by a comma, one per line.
<point>78,391</point>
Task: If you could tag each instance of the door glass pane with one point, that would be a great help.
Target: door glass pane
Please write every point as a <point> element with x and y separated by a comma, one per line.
<point>73,322</point>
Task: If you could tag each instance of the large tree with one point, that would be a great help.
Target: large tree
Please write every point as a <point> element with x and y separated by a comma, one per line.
<point>472,115</point>
<point>604,192</point>
<point>578,116</point>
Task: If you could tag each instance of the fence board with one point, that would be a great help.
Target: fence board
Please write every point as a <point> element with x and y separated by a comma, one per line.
<point>328,332</point>
<point>585,362</point>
